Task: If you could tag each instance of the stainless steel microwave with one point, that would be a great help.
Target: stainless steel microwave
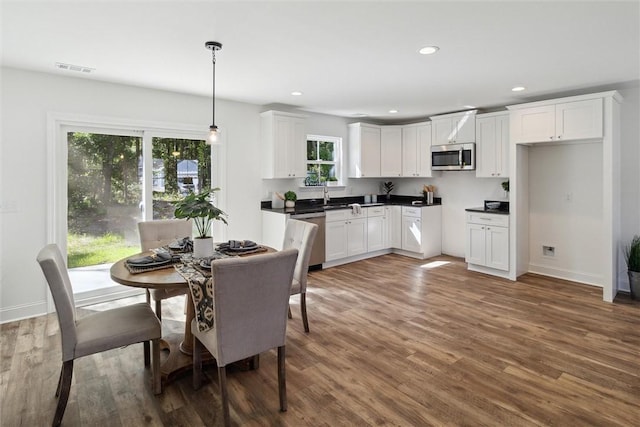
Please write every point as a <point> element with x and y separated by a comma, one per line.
<point>450,157</point>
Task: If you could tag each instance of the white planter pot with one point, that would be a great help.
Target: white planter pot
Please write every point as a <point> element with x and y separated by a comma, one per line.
<point>202,248</point>
<point>290,204</point>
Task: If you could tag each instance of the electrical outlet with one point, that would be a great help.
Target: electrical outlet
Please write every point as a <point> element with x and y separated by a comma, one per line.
<point>548,251</point>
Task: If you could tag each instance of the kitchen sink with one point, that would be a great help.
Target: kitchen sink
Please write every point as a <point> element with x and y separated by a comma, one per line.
<point>330,207</point>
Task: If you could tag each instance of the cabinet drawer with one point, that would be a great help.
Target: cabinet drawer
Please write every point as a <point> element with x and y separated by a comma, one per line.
<point>343,215</point>
<point>488,219</point>
<point>375,211</point>
<point>411,211</point>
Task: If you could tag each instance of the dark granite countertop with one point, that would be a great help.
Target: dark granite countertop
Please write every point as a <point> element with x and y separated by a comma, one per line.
<point>491,211</point>
<point>304,206</point>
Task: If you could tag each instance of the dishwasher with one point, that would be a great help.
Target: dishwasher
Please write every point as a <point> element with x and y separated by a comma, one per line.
<point>317,250</point>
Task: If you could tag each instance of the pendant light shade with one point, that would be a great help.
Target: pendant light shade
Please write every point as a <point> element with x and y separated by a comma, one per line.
<point>212,137</point>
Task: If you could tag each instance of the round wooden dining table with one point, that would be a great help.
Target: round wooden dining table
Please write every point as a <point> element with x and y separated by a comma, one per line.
<point>180,346</point>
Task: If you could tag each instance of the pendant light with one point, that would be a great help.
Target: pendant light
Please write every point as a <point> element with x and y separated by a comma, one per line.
<point>212,137</point>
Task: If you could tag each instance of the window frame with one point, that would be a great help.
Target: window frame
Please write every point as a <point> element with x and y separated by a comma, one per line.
<point>337,163</point>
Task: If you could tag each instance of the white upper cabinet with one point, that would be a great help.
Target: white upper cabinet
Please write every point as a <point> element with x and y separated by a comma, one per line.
<point>456,128</point>
<point>580,119</point>
<point>364,150</point>
<point>492,145</point>
<point>416,150</point>
<point>390,151</point>
<point>284,145</point>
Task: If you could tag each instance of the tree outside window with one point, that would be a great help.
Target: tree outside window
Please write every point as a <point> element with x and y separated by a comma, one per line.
<point>322,159</point>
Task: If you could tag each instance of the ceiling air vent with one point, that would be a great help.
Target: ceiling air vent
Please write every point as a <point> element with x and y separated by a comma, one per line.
<point>71,67</point>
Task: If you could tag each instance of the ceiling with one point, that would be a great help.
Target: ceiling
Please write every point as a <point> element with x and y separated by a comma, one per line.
<point>349,58</point>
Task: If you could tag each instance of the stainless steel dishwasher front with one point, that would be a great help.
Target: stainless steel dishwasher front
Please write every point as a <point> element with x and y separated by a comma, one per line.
<point>317,250</point>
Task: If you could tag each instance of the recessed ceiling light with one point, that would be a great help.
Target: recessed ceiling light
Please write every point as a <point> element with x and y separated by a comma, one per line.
<point>393,111</point>
<point>296,93</point>
<point>518,89</point>
<point>429,50</point>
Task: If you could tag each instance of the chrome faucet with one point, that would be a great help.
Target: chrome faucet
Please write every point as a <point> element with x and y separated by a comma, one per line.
<point>326,194</point>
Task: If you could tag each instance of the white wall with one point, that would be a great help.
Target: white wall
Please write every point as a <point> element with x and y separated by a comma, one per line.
<point>565,210</point>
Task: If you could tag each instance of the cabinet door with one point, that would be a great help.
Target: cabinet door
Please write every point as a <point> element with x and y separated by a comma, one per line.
<point>497,248</point>
<point>356,236</point>
<point>441,131</point>
<point>376,233</point>
<point>391,151</point>
<point>424,150</point>
<point>282,136</point>
<point>335,240</point>
<point>502,146</point>
<point>535,124</point>
<point>464,128</point>
<point>395,226</point>
<point>298,149</point>
<point>486,147</point>
<point>409,151</point>
<point>411,234</point>
<point>579,120</point>
<point>370,152</point>
<point>475,244</point>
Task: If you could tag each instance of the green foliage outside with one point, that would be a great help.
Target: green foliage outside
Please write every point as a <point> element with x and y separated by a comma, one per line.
<point>84,250</point>
<point>104,190</point>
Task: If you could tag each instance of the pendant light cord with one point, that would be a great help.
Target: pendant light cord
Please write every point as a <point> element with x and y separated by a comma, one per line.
<point>213,98</point>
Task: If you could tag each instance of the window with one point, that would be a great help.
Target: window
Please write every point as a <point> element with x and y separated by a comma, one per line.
<point>323,159</point>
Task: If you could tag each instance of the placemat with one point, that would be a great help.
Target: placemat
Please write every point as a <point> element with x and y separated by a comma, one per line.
<point>142,268</point>
<point>242,253</point>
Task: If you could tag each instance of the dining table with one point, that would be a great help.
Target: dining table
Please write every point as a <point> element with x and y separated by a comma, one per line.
<point>179,346</point>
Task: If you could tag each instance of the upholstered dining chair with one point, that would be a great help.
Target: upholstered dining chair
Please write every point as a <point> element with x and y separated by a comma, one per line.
<point>102,331</point>
<point>250,300</point>
<point>300,235</point>
<point>157,233</point>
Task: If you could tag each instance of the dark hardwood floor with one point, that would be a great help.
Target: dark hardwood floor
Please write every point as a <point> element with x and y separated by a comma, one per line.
<point>393,341</point>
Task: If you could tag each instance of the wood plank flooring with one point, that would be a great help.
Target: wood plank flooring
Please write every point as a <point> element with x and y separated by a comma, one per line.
<point>393,341</point>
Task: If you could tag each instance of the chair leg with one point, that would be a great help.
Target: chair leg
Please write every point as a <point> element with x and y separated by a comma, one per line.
<point>60,380</point>
<point>197,363</point>
<point>67,374</point>
<point>303,311</point>
<point>148,296</point>
<point>289,315</point>
<point>155,369</point>
<point>159,309</point>
<point>222,379</point>
<point>282,380</point>
<point>147,354</point>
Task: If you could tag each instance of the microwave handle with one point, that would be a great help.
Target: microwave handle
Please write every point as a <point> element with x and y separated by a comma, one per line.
<point>460,158</point>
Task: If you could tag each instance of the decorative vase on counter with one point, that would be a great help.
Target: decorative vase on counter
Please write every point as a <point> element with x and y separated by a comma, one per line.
<point>202,247</point>
<point>634,284</point>
<point>289,204</point>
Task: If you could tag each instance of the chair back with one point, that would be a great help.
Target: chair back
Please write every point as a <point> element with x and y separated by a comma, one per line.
<point>55,271</point>
<point>300,235</point>
<point>251,299</point>
<point>157,233</point>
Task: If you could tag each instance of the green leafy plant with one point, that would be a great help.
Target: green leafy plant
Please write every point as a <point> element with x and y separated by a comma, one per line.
<point>505,185</point>
<point>290,195</point>
<point>332,178</point>
<point>387,187</point>
<point>199,208</point>
<point>632,254</point>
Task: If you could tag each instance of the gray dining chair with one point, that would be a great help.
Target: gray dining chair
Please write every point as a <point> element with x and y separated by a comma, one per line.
<point>250,301</point>
<point>157,233</point>
<point>102,331</point>
<point>300,235</point>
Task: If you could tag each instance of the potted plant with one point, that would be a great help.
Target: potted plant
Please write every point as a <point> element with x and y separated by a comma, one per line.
<point>203,212</point>
<point>290,199</point>
<point>387,187</point>
<point>632,256</point>
<point>332,180</point>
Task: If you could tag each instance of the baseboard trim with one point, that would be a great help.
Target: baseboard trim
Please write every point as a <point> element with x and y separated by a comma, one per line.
<point>574,276</point>
<point>22,311</point>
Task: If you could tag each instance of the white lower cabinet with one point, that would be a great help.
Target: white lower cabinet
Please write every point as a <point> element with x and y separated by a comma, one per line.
<point>377,233</point>
<point>345,234</point>
<point>393,217</point>
<point>422,230</point>
<point>487,240</point>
